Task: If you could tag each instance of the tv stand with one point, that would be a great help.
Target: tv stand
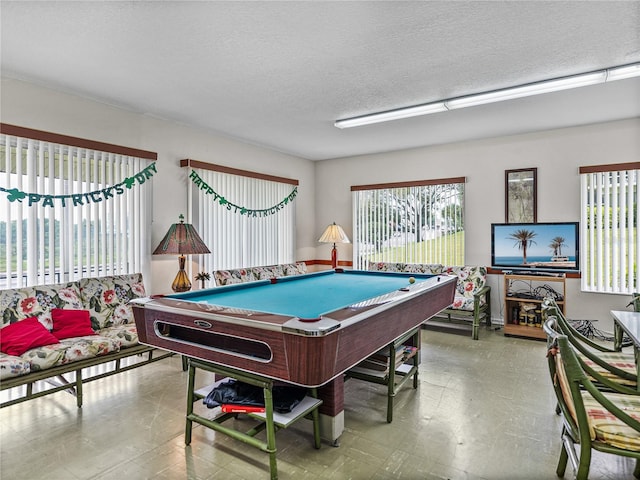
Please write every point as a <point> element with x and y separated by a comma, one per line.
<point>537,273</point>
<point>523,297</point>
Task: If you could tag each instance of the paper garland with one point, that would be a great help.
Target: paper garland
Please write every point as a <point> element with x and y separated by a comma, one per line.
<point>195,178</point>
<point>79,199</point>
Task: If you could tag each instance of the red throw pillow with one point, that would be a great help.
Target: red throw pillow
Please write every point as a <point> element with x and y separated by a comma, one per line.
<point>71,323</point>
<point>23,335</point>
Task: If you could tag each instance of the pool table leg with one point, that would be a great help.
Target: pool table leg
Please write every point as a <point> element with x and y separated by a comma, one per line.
<point>332,410</point>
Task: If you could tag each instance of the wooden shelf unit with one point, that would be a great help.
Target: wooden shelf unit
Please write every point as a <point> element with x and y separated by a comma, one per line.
<point>522,316</point>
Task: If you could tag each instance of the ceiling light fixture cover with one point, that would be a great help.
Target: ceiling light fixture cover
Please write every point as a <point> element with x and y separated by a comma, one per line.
<point>626,71</point>
<point>392,115</point>
<point>537,88</point>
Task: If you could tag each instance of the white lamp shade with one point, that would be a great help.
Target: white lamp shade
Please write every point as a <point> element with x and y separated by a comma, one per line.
<point>334,234</point>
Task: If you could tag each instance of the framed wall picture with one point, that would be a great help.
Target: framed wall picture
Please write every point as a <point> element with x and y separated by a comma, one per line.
<point>520,191</point>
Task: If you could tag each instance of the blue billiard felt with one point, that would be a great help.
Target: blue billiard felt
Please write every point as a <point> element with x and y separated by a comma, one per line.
<point>305,296</point>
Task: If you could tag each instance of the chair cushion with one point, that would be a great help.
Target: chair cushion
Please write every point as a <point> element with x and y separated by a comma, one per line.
<point>605,427</point>
<point>623,361</point>
<point>471,280</point>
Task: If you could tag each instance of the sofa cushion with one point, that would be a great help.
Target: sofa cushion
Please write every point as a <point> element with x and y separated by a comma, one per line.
<point>429,268</point>
<point>228,277</point>
<point>45,357</point>
<point>251,274</point>
<point>12,366</point>
<point>126,335</point>
<point>71,323</point>
<point>80,348</point>
<point>20,303</point>
<point>107,298</point>
<point>299,268</point>
<point>266,273</point>
<point>17,338</point>
<point>69,350</point>
<point>244,274</point>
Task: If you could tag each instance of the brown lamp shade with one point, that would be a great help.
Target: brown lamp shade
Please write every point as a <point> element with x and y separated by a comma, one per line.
<point>181,239</point>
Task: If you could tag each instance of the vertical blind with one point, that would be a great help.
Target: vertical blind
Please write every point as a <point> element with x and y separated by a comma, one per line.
<point>238,239</point>
<point>413,222</point>
<point>610,244</point>
<point>67,238</point>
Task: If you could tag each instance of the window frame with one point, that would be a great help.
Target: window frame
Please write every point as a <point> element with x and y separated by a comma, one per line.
<point>78,251</point>
<point>209,217</point>
<point>361,255</point>
<point>609,257</point>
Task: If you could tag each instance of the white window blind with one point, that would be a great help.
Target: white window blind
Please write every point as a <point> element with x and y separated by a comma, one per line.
<point>78,217</point>
<point>609,243</point>
<point>245,218</point>
<point>413,222</point>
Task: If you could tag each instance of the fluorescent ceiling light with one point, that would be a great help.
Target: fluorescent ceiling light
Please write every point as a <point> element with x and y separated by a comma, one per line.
<point>528,90</point>
<point>391,115</point>
<point>537,88</point>
<point>627,71</point>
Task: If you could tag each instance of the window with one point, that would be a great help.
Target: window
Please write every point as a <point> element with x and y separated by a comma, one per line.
<point>72,208</point>
<point>246,219</point>
<point>412,222</point>
<point>609,243</point>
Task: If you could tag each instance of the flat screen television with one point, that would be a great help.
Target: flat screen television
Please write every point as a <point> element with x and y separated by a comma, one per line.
<point>550,247</point>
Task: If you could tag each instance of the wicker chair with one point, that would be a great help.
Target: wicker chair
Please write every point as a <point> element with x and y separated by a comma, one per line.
<point>592,419</point>
<point>607,367</point>
<point>635,302</point>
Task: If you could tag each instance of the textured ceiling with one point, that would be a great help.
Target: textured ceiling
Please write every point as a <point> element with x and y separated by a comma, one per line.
<point>278,74</point>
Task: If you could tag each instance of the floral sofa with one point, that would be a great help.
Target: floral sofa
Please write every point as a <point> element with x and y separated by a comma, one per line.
<point>472,300</point>
<point>251,274</point>
<point>48,331</point>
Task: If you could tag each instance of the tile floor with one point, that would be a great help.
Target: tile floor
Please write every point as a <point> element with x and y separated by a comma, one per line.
<point>483,410</point>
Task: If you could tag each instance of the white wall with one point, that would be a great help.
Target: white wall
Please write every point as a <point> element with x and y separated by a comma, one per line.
<point>30,106</point>
<point>556,154</point>
<point>324,191</point>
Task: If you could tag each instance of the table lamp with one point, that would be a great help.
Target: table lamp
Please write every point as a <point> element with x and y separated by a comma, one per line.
<point>181,239</point>
<point>334,234</point>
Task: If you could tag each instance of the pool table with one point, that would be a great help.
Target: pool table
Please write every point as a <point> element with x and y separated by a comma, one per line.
<point>305,329</point>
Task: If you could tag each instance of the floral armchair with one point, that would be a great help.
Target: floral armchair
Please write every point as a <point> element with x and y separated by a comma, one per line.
<point>473,295</point>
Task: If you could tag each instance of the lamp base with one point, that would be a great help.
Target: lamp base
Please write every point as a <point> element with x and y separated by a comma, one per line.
<point>181,283</point>
<point>334,257</point>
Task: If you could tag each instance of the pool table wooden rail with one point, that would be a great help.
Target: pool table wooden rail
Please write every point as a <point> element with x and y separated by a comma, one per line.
<point>309,361</point>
